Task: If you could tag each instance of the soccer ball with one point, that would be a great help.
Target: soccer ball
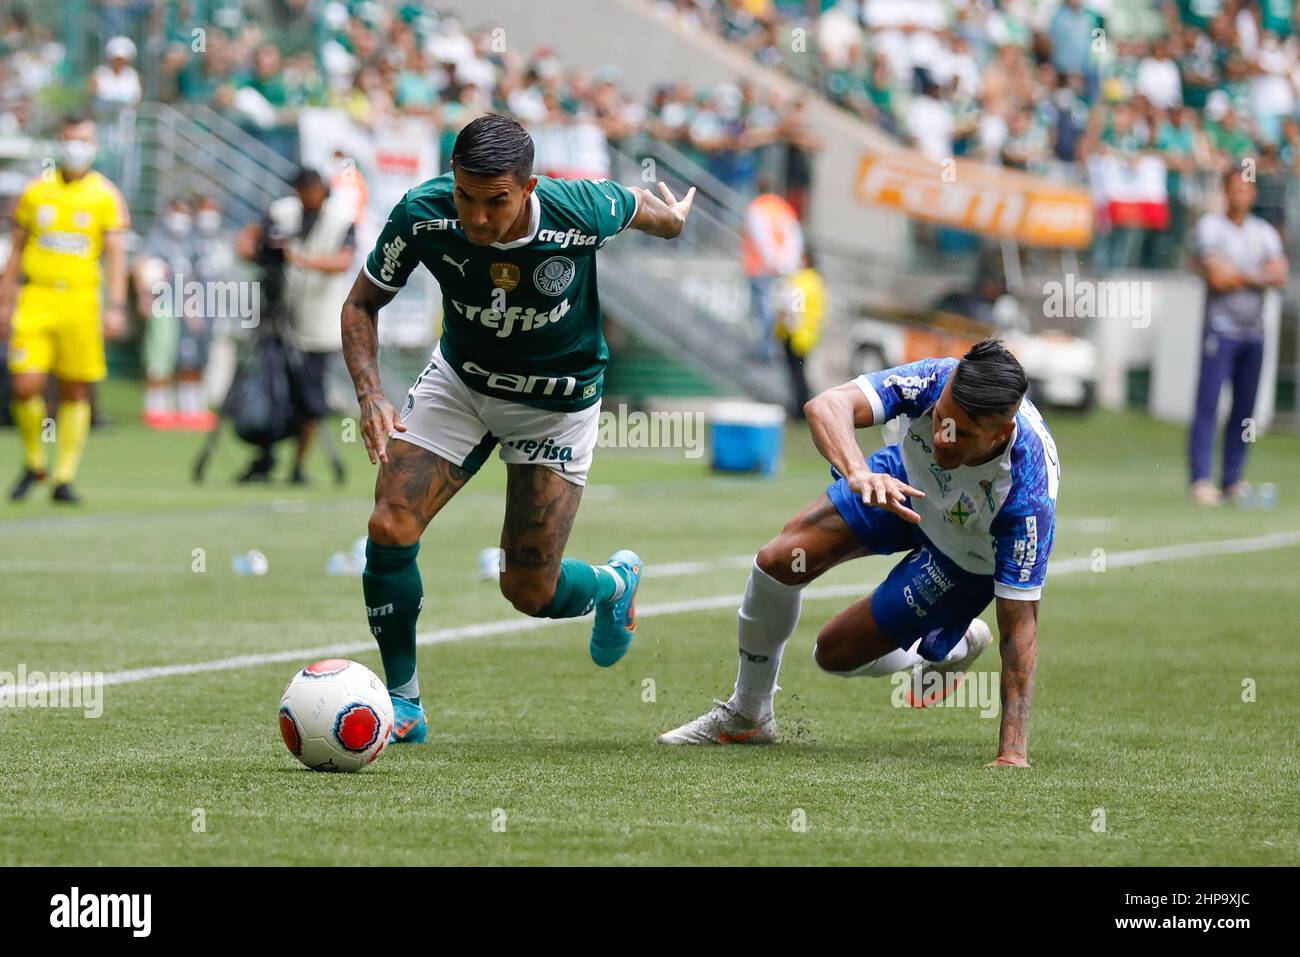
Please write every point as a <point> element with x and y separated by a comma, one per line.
<point>335,715</point>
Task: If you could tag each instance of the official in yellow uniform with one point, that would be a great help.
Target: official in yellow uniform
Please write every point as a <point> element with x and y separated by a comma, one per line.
<point>50,301</point>
<point>799,324</point>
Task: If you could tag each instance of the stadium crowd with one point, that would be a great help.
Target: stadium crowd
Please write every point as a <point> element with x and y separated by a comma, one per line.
<point>1045,85</point>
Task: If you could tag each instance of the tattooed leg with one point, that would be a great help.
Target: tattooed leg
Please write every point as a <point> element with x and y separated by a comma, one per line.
<point>412,487</point>
<point>540,508</point>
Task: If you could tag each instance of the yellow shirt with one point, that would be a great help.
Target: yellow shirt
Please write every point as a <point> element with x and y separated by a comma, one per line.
<point>65,225</point>
<point>803,304</point>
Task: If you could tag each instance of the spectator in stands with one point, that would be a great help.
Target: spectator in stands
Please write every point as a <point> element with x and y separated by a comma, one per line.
<point>801,143</point>
<point>1026,146</point>
<point>930,123</point>
<point>115,84</point>
<point>1158,78</point>
<point>1240,257</point>
<point>1270,187</point>
<point>1071,40</point>
<point>263,101</point>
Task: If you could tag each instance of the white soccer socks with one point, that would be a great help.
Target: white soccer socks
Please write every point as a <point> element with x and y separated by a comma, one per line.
<point>899,659</point>
<point>766,620</point>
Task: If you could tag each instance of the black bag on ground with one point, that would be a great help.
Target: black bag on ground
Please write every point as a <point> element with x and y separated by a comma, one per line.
<point>262,402</point>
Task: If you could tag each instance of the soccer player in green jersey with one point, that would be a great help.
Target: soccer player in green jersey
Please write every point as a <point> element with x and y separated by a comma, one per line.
<point>519,366</point>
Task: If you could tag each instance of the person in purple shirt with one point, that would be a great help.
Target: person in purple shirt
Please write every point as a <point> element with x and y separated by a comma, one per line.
<point>1240,256</point>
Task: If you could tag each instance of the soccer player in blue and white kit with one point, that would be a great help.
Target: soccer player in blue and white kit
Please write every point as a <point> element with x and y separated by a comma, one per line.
<point>968,493</point>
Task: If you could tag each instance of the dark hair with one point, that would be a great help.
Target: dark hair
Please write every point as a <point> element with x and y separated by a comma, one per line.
<point>989,381</point>
<point>305,178</point>
<point>75,119</point>
<point>1233,172</point>
<point>492,145</point>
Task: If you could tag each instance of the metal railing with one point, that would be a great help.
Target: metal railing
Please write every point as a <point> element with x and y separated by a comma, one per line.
<point>198,151</point>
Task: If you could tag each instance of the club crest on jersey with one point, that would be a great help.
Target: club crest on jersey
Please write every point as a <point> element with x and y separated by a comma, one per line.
<point>554,275</point>
<point>357,727</point>
<point>962,510</point>
<point>325,669</point>
<point>504,275</point>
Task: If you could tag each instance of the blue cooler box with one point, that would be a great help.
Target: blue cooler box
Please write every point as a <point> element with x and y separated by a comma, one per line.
<point>746,437</point>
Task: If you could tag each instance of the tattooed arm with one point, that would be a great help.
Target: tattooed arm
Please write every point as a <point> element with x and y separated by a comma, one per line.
<point>360,323</point>
<point>1018,624</point>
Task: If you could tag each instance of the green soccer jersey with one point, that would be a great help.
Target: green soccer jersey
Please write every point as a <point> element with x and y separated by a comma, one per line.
<point>521,320</point>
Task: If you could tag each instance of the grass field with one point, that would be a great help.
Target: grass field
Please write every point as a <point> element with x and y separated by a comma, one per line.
<point>1139,709</point>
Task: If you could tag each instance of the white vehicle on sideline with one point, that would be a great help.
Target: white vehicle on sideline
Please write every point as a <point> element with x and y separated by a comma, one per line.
<point>1062,369</point>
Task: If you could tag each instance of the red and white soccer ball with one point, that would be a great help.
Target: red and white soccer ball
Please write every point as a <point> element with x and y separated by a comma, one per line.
<point>335,715</point>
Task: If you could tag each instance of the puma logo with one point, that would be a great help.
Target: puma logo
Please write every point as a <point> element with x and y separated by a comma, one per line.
<point>460,267</point>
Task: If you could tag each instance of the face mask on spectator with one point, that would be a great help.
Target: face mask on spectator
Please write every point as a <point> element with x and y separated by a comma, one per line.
<point>176,222</point>
<point>76,156</point>
<point>208,221</point>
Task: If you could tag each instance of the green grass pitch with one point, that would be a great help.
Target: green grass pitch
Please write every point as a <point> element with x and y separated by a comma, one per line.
<point>1139,709</point>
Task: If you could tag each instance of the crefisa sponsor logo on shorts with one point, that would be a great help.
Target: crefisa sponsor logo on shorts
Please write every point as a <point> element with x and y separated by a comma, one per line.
<point>78,690</point>
<point>545,450</point>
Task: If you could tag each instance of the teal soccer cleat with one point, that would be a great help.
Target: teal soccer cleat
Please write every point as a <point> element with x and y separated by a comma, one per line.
<point>616,620</point>
<point>409,723</point>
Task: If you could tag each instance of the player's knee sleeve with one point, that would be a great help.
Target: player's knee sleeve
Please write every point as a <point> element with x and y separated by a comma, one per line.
<point>768,613</point>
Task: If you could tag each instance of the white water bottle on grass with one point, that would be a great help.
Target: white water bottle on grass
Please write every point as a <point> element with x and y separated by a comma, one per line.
<point>251,562</point>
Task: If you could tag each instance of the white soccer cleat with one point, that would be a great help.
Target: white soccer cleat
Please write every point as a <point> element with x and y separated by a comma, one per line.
<point>723,725</point>
<point>926,691</point>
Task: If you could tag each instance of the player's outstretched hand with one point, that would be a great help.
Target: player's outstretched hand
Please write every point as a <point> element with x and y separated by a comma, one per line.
<point>378,421</point>
<point>885,491</point>
<point>1008,760</point>
<point>681,208</point>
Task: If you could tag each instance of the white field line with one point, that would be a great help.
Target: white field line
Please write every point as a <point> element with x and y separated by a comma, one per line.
<point>1141,556</point>
<point>663,570</point>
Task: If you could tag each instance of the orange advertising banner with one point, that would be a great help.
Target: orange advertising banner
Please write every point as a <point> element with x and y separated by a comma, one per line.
<point>987,200</point>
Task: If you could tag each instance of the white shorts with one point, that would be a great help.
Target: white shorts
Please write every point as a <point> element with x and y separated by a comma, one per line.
<point>447,417</point>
